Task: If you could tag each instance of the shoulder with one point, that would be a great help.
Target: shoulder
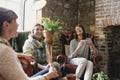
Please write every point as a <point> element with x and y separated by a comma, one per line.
<point>28,42</point>
<point>4,47</point>
<point>6,52</point>
<point>73,40</point>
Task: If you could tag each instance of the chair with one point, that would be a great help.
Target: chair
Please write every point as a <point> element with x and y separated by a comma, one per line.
<point>17,44</point>
<point>27,67</point>
<point>70,68</point>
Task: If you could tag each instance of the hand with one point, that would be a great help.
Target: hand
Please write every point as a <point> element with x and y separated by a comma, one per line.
<point>41,66</point>
<point>74,55</point>
<point>89,42</point>
<point>49,59</point>
<point>30,58</point>
<point>50,64</point>
<point>81,43</point>
<point>92,47</point>
<point>52,73</point>
<point>52,68</point>
<point>26,56</point>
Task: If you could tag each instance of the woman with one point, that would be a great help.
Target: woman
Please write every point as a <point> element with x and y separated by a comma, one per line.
<point>79,53</point>
<point>36,47</point>
<point>10,67</point>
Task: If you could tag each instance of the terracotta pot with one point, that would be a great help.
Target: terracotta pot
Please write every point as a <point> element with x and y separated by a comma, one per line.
<point>48,36</point>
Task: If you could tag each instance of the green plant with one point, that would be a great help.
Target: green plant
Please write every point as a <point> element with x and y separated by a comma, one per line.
<point>100,76</point>
<point>51,25</point>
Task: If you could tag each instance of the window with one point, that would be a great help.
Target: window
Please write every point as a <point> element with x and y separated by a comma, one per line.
<point>26,11</point>
<point>17,8</point>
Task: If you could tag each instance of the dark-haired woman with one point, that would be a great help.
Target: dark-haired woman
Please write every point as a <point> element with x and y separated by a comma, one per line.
<point>79,53</point>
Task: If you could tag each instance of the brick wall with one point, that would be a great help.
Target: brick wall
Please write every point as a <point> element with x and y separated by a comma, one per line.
<point>65,10</point>
<point>107,13</point>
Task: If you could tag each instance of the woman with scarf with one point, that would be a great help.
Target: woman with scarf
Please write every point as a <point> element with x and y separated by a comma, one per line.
<point>36,47</point>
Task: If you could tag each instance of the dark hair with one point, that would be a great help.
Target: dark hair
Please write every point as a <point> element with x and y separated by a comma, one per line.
<point>84,33</point>
<point>36,26</point>
<point>39,25</point>
<point>6,15</point>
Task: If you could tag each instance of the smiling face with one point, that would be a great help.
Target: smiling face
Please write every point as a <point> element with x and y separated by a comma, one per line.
<point>79,30</point>
<point>38,32</point>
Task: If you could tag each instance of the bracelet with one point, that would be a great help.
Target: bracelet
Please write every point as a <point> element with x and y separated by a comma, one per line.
<point>46,77</point>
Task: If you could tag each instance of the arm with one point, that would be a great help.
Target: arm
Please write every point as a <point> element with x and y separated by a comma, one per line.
<point>10,68</point>
<point>26,56</point>
<point>28,48</point>
<point>92,47</point>
<point>75,50</point>
<point>72,48</point>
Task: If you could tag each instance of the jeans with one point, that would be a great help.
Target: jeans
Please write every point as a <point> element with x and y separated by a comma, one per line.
<point>42,72</point>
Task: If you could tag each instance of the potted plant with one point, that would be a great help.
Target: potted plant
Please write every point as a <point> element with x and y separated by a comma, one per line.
<point>50,27</point>
<point>100,76</point>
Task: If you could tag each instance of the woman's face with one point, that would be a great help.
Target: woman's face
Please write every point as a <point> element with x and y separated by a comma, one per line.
<point>78,30</point>
<point>38,32</point>
<point>12,29</point>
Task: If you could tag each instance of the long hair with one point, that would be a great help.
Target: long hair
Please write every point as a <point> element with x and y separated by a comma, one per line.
<point>6,15</point>
<point>84,33</point>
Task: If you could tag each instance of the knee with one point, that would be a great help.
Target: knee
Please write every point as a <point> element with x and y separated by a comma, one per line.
<point>84,60</point>
<point>57,65</point>
<point>90,63</point>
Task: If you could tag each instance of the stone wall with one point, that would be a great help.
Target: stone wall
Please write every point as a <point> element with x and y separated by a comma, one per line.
<point>86,15</point>
<point>65,10</point>
<point>70,13</point>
